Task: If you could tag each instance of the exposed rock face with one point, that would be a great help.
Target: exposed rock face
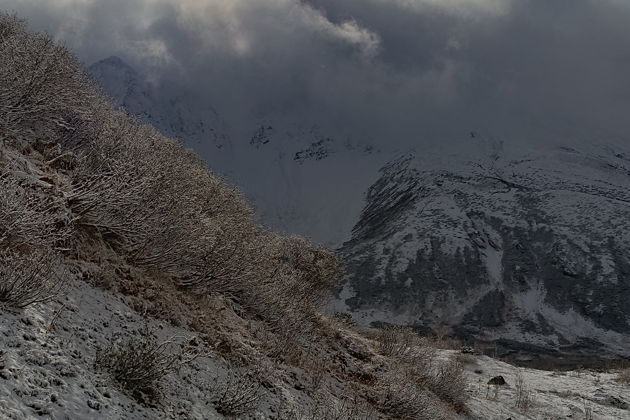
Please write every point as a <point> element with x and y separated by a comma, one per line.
<point>533,251</point>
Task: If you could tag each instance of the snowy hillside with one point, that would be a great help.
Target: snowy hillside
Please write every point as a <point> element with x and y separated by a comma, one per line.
<point>529,249</point>
<point>301,177</point>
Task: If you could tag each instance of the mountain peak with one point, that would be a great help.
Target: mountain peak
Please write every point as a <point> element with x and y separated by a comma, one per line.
<point>112,62</point>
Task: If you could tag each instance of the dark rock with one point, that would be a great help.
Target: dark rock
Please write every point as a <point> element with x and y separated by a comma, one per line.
<point>497,380</point>
<point>616,402</point>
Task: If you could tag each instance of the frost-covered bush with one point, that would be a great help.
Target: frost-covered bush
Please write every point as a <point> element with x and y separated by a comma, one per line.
<point>139,362</point>
<point>29,278</point>
<point>419,360</point>
<point>399,396</point>
<point>448,382</point>
<point>42,88</point>
<point>32,227</point>
<point>30,218</point>
<point>237,394</point>
<point>397,341</point>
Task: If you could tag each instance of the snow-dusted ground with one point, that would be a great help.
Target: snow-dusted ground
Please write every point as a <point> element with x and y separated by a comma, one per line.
<point>48,371</point>
<point>553,395</point>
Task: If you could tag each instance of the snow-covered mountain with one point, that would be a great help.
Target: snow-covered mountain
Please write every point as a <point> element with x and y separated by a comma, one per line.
<point>292,171</point>
<point>530,249</point>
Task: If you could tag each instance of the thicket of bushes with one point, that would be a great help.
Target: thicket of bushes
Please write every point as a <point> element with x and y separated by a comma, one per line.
<point>151,200</point>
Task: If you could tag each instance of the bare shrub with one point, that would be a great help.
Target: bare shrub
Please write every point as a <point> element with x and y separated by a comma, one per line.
<point>398,395</point>
<point>418,358</point>
<point>238,393</point>
<point>29,218</point>
<point>159,205</point>
<point>588,409</point>
<point>29,278</point>
<point>138,363</point>
<point>42,88</point>
<point>523,396</point>
<point>314,271</point>
<point>448,381</point>
<point>397,341</point>
<point>32,226</point>
<point>330,408</point>
<point>441,331</point>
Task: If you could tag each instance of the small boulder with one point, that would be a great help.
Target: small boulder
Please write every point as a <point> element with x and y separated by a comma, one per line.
<point>616,402</point>
<point>497,380</point>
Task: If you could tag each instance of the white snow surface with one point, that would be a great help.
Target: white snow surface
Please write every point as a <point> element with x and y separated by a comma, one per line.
<point>49,372</point>
<point>553,395</point>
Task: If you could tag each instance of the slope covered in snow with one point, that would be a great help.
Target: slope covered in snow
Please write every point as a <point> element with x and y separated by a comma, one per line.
<point>136,284</point>
<point>526,249</point>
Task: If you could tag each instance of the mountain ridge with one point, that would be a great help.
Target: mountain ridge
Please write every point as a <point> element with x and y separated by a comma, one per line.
<point>530,252</point>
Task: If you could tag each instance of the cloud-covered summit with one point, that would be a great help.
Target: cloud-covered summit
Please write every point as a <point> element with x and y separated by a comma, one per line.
<point>403,72</point>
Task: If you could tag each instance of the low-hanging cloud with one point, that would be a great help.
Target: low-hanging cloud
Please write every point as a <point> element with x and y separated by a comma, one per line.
<point>401,72</point>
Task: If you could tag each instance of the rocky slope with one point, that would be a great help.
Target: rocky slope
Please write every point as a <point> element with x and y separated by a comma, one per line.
<point>526,249</point>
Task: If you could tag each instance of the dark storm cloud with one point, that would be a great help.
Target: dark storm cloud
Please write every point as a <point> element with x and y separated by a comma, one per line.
<point>402,71</point>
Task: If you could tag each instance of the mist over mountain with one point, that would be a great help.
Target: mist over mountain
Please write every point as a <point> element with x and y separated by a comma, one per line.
<point>402,73</point>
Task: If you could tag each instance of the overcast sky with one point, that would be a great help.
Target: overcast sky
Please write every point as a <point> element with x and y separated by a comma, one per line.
<point>400,71</point>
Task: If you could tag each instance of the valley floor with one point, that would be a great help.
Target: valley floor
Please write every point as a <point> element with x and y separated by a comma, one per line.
<point>547,395</point>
